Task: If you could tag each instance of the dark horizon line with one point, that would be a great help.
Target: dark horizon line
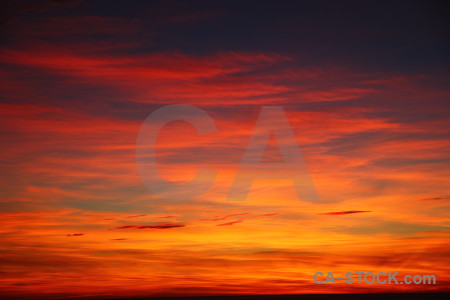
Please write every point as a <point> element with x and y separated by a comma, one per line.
<point>351,296</point>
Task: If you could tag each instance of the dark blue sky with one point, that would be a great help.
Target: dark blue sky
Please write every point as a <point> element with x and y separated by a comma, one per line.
<point>380,35</point>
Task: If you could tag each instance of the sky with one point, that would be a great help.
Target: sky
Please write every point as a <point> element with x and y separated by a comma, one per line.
<point>365,89</point>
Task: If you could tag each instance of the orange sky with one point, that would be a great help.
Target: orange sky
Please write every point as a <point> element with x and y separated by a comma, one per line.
<point>78,221</point>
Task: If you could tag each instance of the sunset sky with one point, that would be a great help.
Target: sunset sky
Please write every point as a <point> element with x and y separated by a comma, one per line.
<point>364,85</point>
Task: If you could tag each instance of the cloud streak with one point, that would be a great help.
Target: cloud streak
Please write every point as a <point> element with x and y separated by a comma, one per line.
<point>436,199</point>
<point>345,212</point>
<point>225,217</point>
<point>230,223</point>
<point>159,226</point>
<point>136,216</point>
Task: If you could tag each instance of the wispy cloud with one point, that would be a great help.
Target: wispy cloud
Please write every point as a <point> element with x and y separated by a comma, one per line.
<point>436,199</point>
<point>230,223</point>
<point>268,215</point>
<point>160,226</point>
<point>136,216</point>
<point>75,234</point>
<point>345,212</point>
<point>225,217</point>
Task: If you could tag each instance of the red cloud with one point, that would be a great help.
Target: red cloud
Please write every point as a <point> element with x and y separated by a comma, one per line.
<point>225,217</point>
<point>345,212</point>
<point>161,226</point>
<point>435,199</point>
<point>269,215</point>
<point>136,216</point>
<point>240,220</point>
<point>229,223</point>
<point>75,234</point>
